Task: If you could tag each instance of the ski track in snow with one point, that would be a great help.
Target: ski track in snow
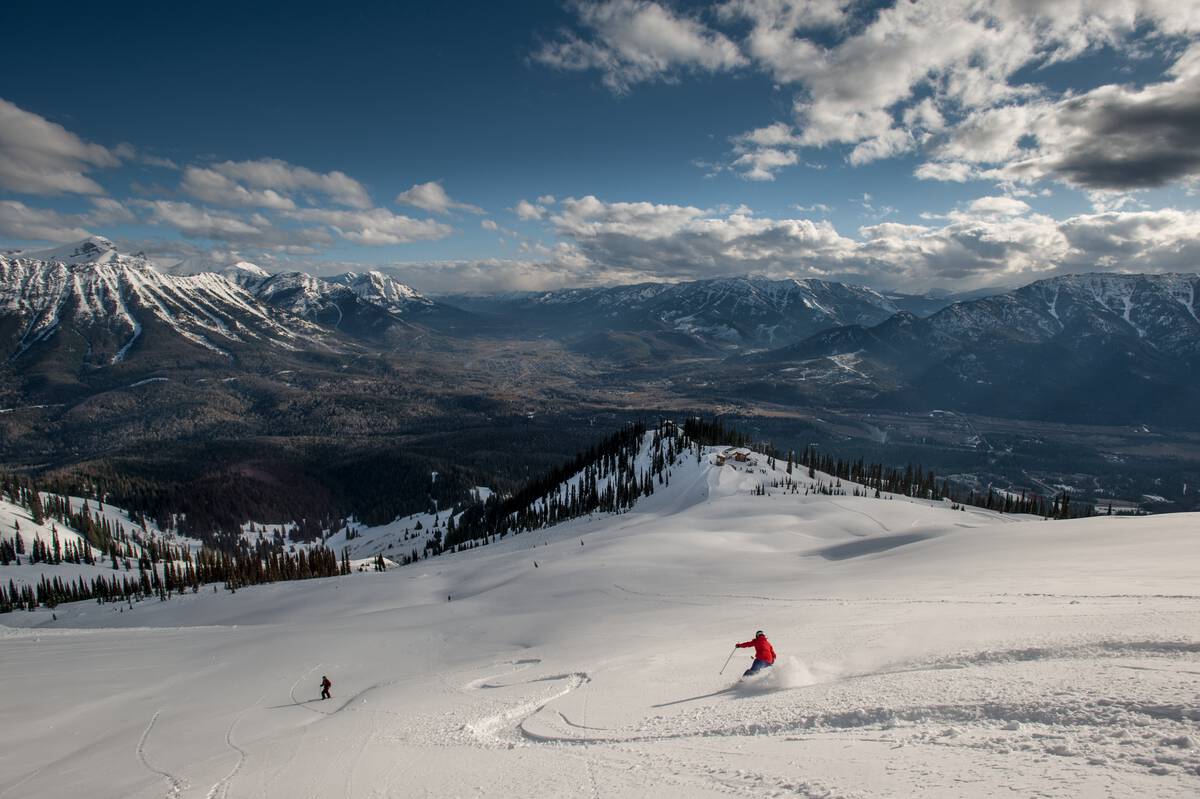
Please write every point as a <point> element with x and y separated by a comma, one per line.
<point>175,785</point>
<point>220,789</point>
<point>304,702</point>
<point>1101,713</point>
<point>487,730</point>
<point>881,525</point>
<point>520,664</point>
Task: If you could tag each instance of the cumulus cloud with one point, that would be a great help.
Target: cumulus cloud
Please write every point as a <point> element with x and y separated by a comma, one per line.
<point>375,226</point>
<point>681,242</point>
<point>999,206</point>
<point>991,240</point>
<point>287,179</point>
<point>638,41</point>
<point>212,187</point>
<point>559,269</point>
<point>107,211</point>
<point>760,153</point>
<point>530,211</point>
<point>957,79</point>
<point>41,157</point>
<point>24,223</point>
<point>1110,139</point>
<point>255,229</point>
<point>488,224</point>
<point>1118,137</point>
<point>193,220</point>
<point>432,197</point>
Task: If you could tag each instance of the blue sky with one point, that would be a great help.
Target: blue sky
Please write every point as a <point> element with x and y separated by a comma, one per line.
<point>485,146</point>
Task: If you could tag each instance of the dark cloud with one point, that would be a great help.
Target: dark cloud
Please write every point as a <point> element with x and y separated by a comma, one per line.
<point>1135,141</point>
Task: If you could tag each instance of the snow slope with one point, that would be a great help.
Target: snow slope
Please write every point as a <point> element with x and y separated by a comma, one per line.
<point>924,652</point>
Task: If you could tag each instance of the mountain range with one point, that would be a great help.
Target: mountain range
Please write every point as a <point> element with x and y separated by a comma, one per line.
<point>86,306</point>
<point>717,314</point>
<point>1094,347</point>
<point>85,320</point>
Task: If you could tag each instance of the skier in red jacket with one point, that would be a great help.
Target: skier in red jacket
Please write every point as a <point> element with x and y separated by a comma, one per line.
<point>764,653</point>
<point>325,686</point>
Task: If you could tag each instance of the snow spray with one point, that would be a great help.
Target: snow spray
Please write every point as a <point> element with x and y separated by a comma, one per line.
<point>786,673</point>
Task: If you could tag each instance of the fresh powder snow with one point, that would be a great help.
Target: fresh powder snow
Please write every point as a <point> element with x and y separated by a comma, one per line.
<point>923,651</point>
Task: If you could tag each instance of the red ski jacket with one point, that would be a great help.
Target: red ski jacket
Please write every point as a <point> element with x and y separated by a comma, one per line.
<point>762,649</point>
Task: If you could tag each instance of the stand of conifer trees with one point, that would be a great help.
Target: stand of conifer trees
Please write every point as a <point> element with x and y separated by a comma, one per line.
<point>163,569</point>
<point>917,482</point>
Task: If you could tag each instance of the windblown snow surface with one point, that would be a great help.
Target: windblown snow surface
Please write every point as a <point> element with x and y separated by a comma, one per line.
<point>923,652</point>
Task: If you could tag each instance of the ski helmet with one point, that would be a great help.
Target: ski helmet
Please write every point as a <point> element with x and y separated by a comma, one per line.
<point>760,634</point>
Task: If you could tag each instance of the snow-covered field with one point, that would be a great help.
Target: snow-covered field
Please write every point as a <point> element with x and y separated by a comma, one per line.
<point>923,652</point>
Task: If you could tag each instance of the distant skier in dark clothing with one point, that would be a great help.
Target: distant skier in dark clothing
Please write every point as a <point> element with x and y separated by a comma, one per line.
<point>325,686</point>
<point>764,653</point>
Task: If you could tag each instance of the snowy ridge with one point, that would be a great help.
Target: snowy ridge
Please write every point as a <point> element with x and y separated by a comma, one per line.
<point>379,289</point>
<point>108,297</point>
<point>1148,305</point>
<point>309,296</point>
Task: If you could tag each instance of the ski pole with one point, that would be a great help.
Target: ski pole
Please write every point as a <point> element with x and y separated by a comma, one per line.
<point>731,653</point>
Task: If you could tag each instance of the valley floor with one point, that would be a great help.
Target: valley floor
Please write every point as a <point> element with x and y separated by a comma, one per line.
<point>923,652</point>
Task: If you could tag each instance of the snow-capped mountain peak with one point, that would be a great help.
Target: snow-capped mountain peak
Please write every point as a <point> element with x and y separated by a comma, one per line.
<point>378,289</point>
<point>110,300</point>
<point>93,249</point>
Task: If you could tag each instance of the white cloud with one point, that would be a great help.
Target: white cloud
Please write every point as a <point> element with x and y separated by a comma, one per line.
<point>999,206</point>
<point>24,223</point>
<point>213,187</point>
<point>959,78</point>
<point>560,268</point>
<point>887,144</point>
<point>993,240</point>
<point>636,41</point>
<point>432,197</point>
<point>529,211</point>
<point>1109,139</point>
<point>955,172</point>
<point>157,161</point>
<point>40,157</point>
<point>285,178</point>
<point>764,151</point>
<point>374,227</point>
<point>589,217</point>
<point>193,220</point>
<point>488,224</point>
<point>763,163</point>
<point>253,229</point>
<point>107,211</point>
